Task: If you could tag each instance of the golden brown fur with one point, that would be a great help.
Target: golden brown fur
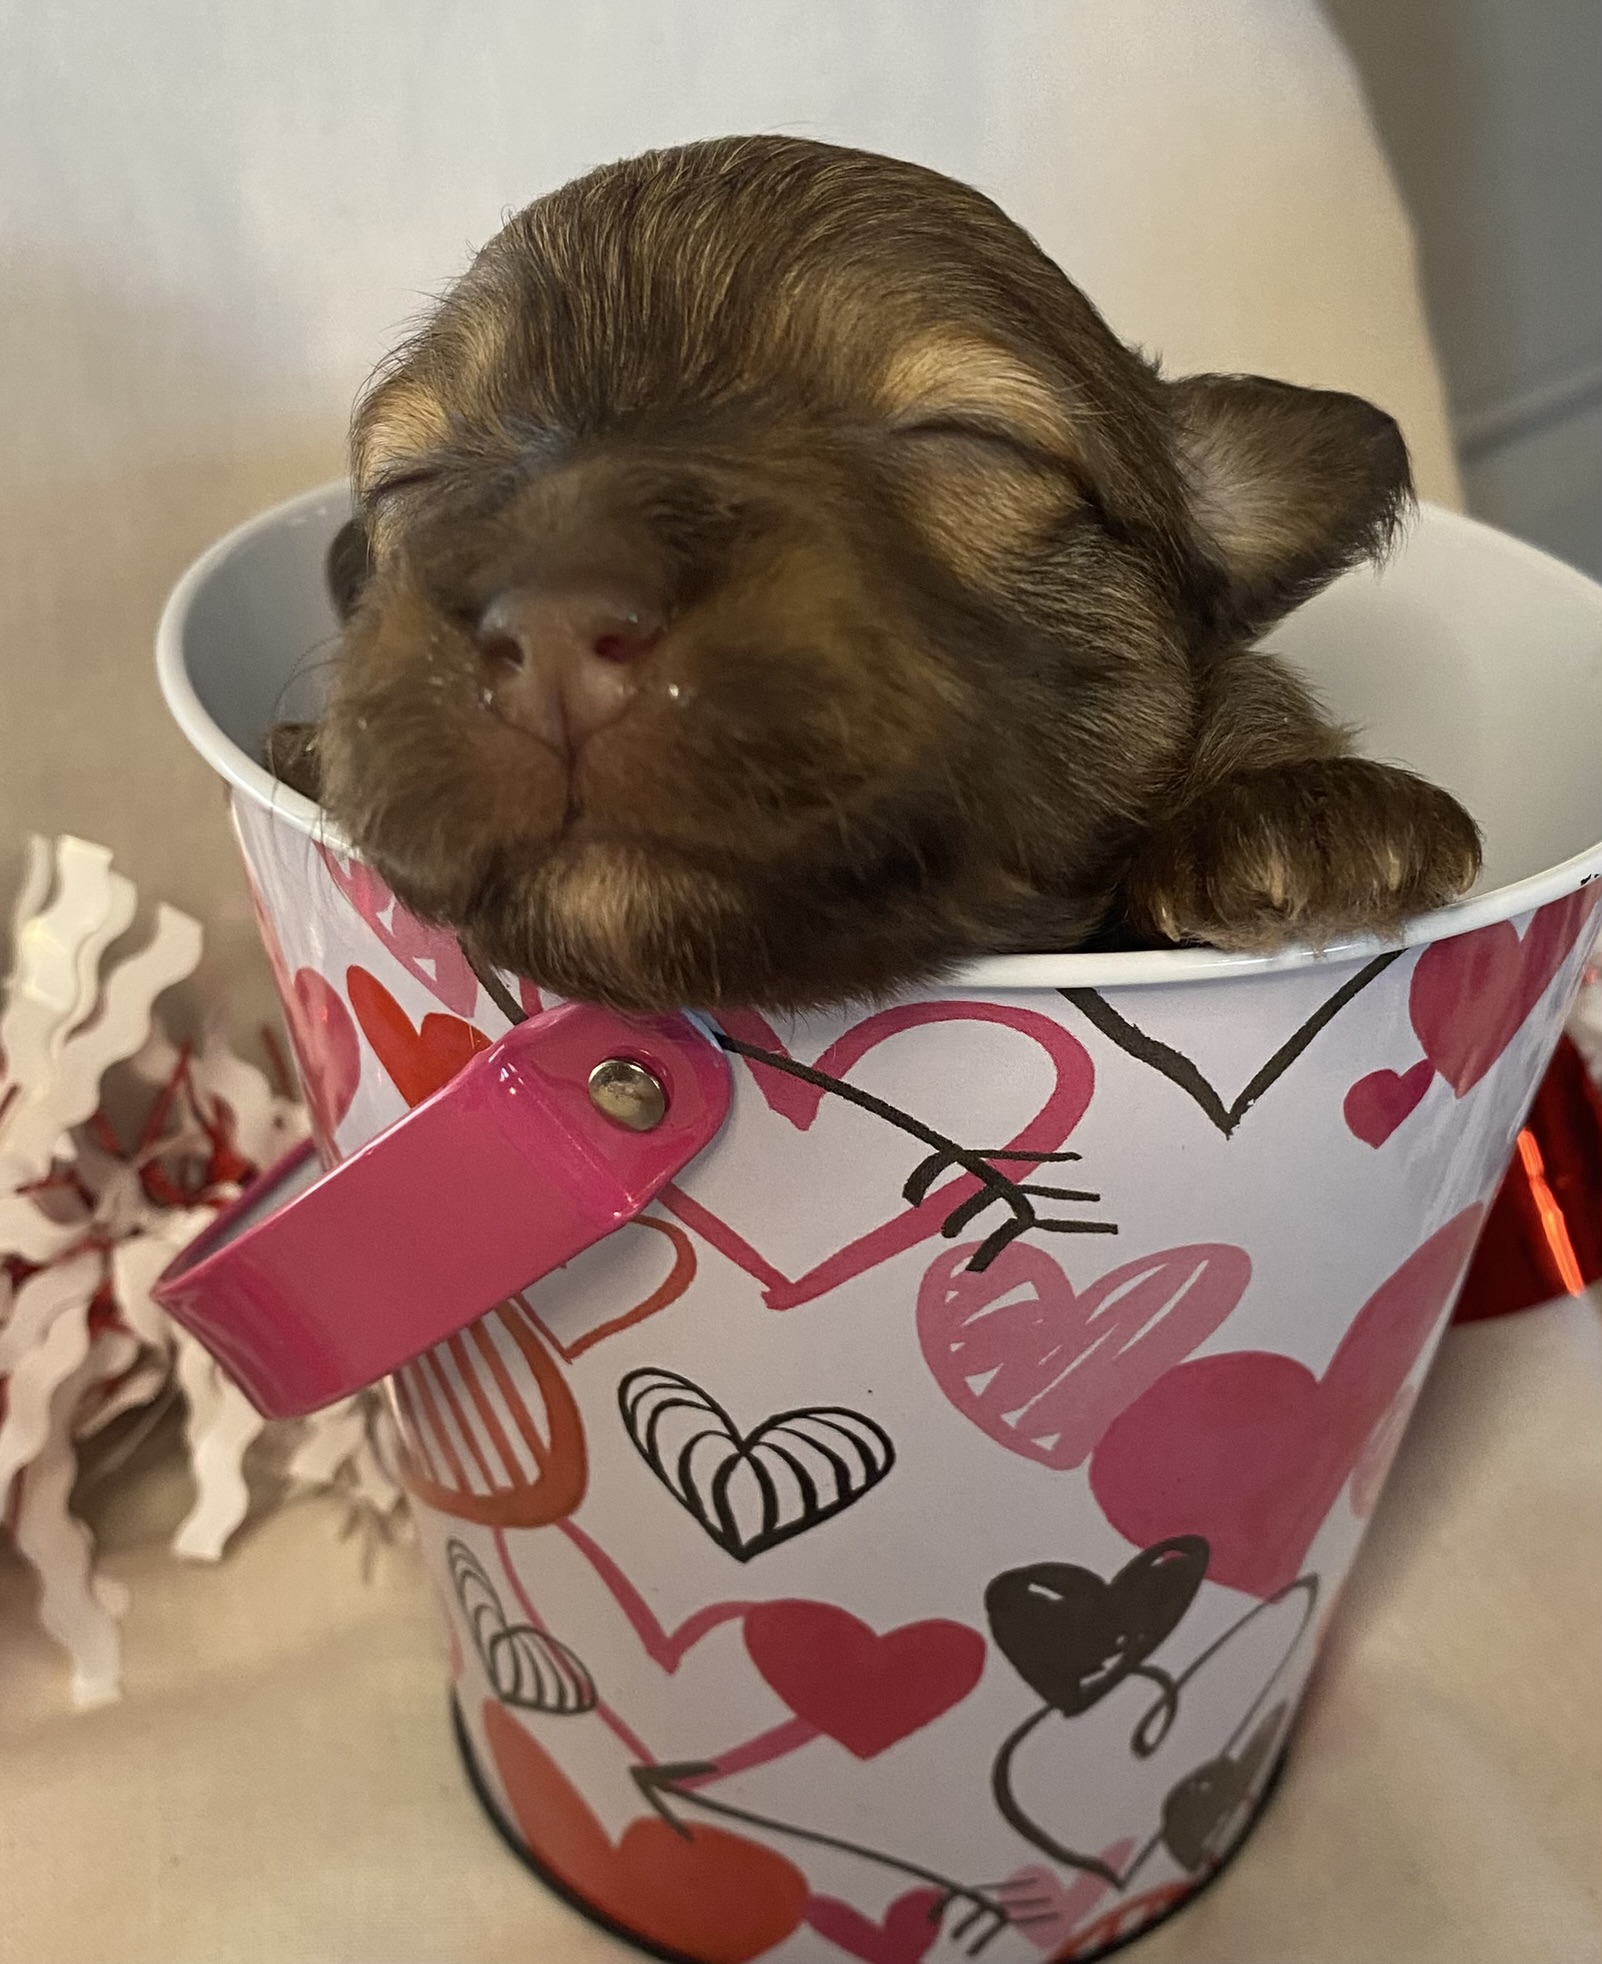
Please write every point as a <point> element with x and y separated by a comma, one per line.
<point>948,601</point>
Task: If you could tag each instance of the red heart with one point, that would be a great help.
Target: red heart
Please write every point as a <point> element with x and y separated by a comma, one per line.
<point>1378,1103</point>
<point>865,1690</point>
<point>441,1412</point>
<point>680,1275</point>
<point>419,1060</point>
<point>1470,995</point>
<point>697,1891</point>
<point>798,1101</point>
<point>428,954</point>
<point>909,1928</point>
<point>1250,1450</point>
<point>327,1051</point>
<point>1045,1374</point>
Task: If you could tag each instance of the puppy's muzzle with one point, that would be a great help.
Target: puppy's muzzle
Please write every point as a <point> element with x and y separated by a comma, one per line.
<point>562,665</point>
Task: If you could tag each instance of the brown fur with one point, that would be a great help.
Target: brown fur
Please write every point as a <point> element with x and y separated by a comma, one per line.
<point>958,594</point>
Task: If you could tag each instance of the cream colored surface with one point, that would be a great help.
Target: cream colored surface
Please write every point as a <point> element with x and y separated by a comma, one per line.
<point>280,1785</point>
<point>215,219</point>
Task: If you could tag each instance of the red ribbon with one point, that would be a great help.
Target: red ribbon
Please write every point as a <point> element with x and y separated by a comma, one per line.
<point>1543,1235</point>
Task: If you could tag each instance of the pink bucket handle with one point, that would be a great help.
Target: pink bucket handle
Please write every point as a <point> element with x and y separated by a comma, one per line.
<point>308,1289</point>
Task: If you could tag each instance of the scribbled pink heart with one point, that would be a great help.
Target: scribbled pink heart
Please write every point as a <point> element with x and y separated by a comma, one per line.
<point>1470,995</point>
<point>1072,1082</point>
<point>909,1927</point>
<point>1044,1368</point>
<point>865,1690</point>
<point>1249,1450</point>
<point>428,954</point>
<point>1378,1103</point>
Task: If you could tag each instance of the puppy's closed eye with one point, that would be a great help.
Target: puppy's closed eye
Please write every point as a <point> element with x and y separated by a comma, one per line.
<point>953,383</point>
<point>987,498</point>
<point>778,585</point>
<point>348,567</point>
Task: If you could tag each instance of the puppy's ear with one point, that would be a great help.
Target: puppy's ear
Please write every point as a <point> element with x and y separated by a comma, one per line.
<point>1288,487</point>
<point>348,567</point>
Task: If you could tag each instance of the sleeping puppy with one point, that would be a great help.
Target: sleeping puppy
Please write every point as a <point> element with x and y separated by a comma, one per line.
<point>776,584</point>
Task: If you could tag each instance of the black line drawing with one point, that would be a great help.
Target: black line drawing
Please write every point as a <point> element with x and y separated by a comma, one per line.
<point>527,1667</point>
<point>1073,1637</point>
<point>1018,1196</point>
<point>751,1491</point>
<point>492,985</point>
<point>1178,1068</point>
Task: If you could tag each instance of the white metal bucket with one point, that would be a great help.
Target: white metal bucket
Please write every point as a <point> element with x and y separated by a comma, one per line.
<point>907,1532</point>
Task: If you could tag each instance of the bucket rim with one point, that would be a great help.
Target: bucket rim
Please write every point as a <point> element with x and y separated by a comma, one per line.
<point>246,778</point>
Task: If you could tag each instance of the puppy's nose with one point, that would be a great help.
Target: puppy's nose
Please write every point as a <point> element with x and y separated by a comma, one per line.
<point>560,665</point>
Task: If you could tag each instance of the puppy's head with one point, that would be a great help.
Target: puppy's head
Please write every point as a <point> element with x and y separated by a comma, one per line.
<point>783,583</point>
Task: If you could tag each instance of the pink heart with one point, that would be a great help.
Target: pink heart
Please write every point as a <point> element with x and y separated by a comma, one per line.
<point>1378,1103</point>
<point>1250,1450</point>
<point>864,1690</point>
<point>328,1054</point>
<point>1470,995</point>
<point>1046,1911</point>
<point>327,1051</point>
<point>428,954</point>
<point>1046,1371</point>
<point>909,1928</point>
<point>793,1099</point>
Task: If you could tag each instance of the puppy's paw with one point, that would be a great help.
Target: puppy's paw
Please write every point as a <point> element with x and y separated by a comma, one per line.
<point>1309,852</point>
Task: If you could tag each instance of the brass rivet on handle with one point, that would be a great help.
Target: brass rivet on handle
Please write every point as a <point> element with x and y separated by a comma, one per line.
<point>627,1094</point>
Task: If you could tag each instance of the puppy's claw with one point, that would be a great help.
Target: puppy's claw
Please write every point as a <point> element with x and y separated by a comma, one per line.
<point>1311,852</point>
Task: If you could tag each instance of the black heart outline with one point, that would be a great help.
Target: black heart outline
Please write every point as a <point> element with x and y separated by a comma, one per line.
<point>528,1668</point>
<point>1018,1196</point>
<point>1150,1731</point>
<point>1154,1590</point>
<point>1178,1068</point>
<point>858,1452</point>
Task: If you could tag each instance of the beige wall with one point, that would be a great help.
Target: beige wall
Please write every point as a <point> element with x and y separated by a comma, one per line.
<point>1492,113</point>
<point>213,219</point>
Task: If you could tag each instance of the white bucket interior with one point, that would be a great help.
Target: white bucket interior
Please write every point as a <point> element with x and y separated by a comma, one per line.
<point>1471,658</point>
